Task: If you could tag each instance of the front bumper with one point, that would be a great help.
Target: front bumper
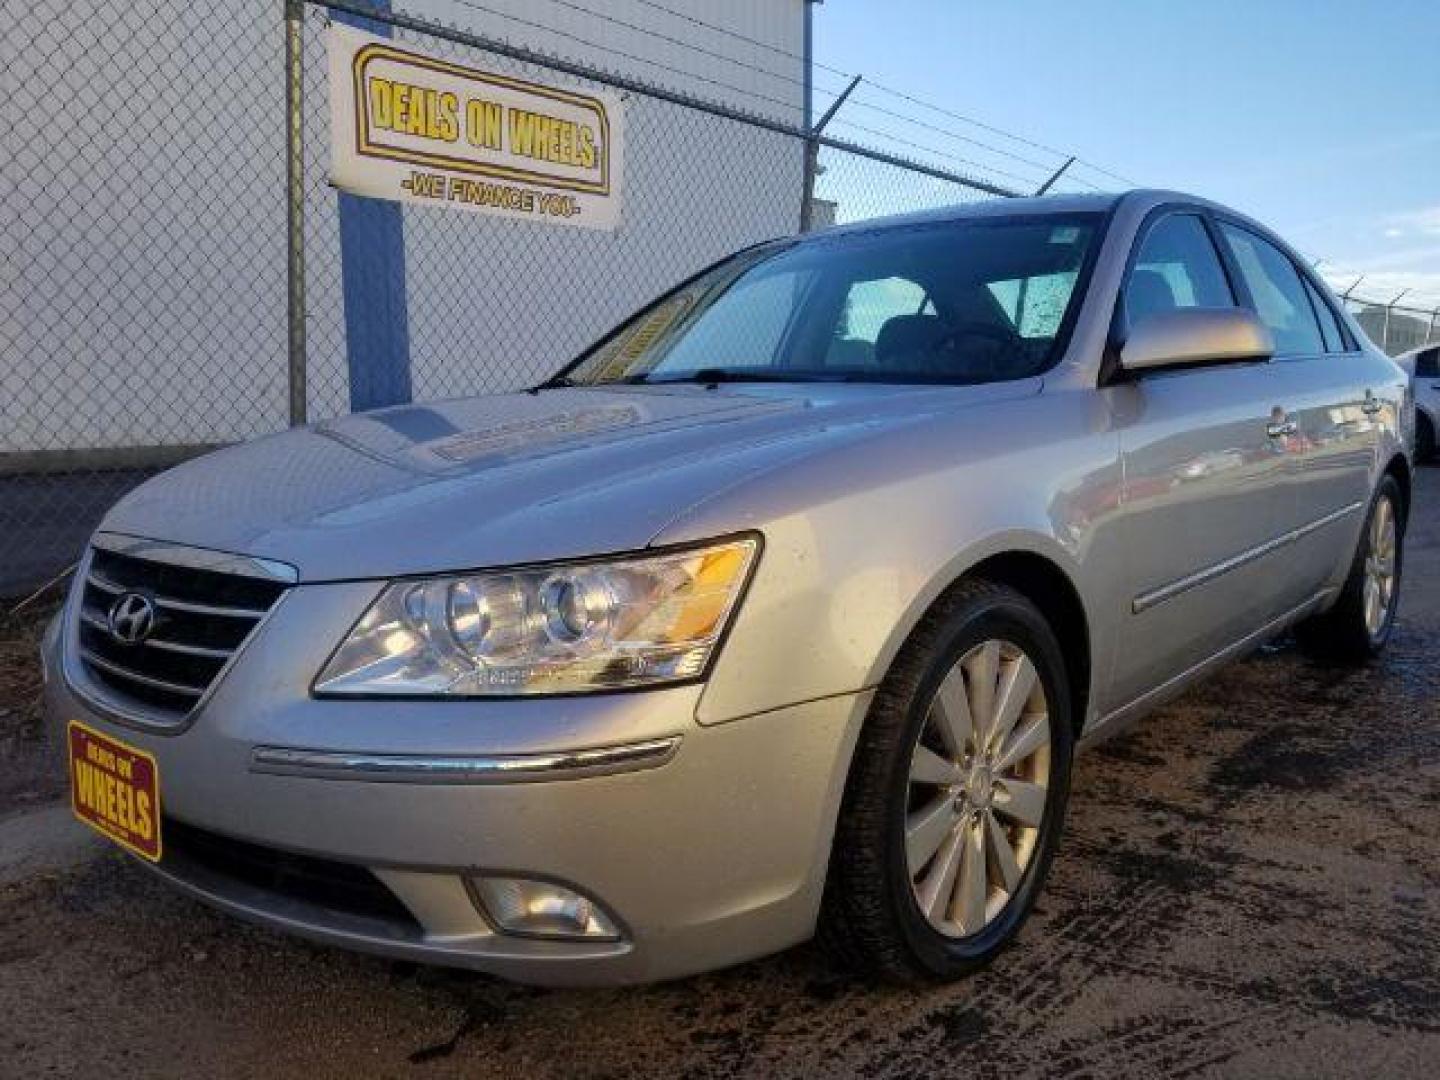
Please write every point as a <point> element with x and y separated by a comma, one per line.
<point>707,854</point>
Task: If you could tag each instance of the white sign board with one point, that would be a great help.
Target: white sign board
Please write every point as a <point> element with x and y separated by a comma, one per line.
<point>414,128</point>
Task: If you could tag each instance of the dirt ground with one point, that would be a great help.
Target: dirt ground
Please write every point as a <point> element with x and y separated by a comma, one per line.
<point>1248,887</point>
<point>26,775</point>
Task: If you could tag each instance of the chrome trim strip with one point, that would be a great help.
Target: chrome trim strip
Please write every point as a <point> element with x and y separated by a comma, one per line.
<point>186,650</point>
<point>104,584</point>
<point>135,677</point>
<point>254,614</point>
<point>462,769</point>
<point>96,622</point>
<point>1145,601</point>
<point>195,558</point>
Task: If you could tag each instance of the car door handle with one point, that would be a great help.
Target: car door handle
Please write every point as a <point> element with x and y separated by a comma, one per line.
<point>1280,424</point>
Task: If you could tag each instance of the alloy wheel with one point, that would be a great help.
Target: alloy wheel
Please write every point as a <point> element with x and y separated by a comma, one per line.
<point>977,788</point>
<point>1380,567</point>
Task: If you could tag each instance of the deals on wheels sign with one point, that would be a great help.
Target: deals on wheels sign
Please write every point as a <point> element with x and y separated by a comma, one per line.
<point>415,128</point>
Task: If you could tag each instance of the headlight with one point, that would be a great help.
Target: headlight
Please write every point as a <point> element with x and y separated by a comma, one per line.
<point>588,626</point>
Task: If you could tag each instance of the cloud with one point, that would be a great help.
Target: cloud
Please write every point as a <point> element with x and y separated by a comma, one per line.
<point>1422,222</point>
<point>1408,258</point>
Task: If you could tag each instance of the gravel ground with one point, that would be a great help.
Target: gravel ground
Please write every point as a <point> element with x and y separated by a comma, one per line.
<point>27,777</point>
<point>1248,887</point>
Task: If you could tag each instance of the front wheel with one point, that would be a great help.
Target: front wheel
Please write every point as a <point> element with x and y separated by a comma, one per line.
<point>956,794</point>
<point>1358,627</point>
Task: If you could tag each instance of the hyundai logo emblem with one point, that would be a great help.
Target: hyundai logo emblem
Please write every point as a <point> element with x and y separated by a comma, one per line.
<point>132,618</point>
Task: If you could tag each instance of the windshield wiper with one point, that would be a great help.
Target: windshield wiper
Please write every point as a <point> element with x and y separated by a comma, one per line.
<point>712,376</point>
<point>558,382</point>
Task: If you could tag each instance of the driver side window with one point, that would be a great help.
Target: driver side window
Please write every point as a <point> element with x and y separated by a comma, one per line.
<point>1177,267</point>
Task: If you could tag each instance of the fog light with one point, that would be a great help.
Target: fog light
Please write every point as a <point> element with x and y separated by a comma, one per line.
<point>542,909</point>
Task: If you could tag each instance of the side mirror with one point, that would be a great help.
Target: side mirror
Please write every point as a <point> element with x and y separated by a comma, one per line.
<point>1195,336</point>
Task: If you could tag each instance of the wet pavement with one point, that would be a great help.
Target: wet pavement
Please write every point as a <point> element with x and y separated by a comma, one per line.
<point>1248,887</point>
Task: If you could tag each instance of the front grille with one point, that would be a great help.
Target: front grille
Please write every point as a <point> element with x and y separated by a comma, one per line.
<point>319,884</point>
<point>201,618</point>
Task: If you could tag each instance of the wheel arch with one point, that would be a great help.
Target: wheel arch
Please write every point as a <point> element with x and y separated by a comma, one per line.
<point>1042,578</point>
<point>1050,589</point>
<point>1425,424</point>
<point>1399,468</point>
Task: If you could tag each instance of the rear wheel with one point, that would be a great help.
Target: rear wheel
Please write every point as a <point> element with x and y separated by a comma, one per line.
<point>957,792</point>
<point>1358,627</point>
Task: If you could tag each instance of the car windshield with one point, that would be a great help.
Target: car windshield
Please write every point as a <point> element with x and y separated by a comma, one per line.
<point>966,301</point>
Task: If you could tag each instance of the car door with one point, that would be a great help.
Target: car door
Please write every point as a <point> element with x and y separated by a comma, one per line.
<point>1203,492</point>
<point>1328,389</point>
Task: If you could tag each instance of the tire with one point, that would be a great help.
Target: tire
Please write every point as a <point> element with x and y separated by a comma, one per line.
<point>871,918</point>
<point>1349,633</point>
<point>1424,439</point>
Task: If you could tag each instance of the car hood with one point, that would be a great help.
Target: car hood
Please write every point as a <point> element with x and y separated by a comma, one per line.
<point>516,478</point>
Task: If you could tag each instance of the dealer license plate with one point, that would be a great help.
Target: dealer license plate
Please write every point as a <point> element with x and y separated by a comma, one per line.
<point>115,789</point>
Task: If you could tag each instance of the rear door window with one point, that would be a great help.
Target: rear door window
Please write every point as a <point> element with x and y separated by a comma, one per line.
<point>1277,291</point>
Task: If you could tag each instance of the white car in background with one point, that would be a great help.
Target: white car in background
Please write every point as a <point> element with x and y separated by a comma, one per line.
<point>1423,367</point>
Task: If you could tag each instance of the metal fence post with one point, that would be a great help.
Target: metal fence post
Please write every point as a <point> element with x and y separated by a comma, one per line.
<point>1048,184</point>
<point>807,190</point>
<point>812,158</point>
<point>295,204</point>
<point>1385,331</point>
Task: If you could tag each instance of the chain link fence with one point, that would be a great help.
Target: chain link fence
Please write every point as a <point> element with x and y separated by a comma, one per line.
<point>1393,327</point>
<point>180,274</point>
<point>146,313</point>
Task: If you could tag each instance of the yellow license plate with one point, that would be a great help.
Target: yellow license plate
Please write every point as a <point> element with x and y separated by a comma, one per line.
<point>115,789</point>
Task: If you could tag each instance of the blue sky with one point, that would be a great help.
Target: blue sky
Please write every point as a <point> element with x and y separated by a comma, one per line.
<point>1319,117</point>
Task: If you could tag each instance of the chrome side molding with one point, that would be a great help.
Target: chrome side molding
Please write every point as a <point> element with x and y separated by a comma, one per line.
<point>1145,601</point>
<point>1117,720</point>
<point>462,768</point>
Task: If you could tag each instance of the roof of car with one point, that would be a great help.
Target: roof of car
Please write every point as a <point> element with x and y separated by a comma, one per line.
<point>1002,207</point>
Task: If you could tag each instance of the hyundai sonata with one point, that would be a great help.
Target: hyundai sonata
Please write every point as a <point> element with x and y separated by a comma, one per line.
<point>781,610</point>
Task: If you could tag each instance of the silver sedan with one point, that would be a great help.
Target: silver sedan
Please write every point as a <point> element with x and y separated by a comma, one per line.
<point>782,610</point>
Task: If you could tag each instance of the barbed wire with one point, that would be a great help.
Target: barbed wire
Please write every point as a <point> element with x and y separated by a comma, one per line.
<point>859,102</point>
<point>789,106</point>
<point>884,88</point>
<point>1422,303</point>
